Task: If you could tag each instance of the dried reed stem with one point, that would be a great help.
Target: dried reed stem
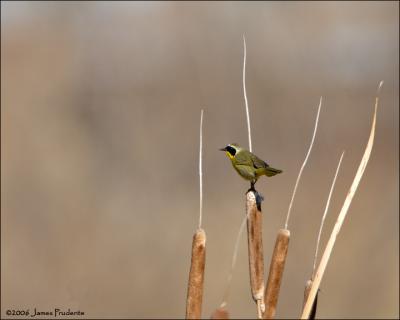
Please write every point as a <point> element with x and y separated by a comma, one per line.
<point>254,221</point>
<point>255,247</point>
<point>342,215</point>
<point>196,276</point>
<point>233,264</point>
<point>220,313</point>
<point>198,261</point>
<point>309,282</point>
<point>200,169</point>
<point>304,163</point>
<point>275,273</point>
<point>245,94</point>
<point>324,215</point>
<point>306,293</point>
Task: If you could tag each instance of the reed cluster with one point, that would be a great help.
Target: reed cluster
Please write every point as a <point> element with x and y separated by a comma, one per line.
<point>265,293</point>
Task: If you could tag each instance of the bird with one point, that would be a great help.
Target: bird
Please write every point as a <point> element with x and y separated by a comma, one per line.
<point>248,165</point>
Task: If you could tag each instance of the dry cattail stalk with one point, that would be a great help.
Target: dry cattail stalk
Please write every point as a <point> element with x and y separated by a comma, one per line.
<point>233,264</point>
<point>325,213</point>
<point>303,165</point>
<point>275,273</point>
<point>220,313</point>
<point>342,215</point>
<point>255,247</point>
<point>281,245</point>
<point>198,261</point>
<point>196,276</point>
<point>201,169</point>
<point>245,94</point>
<point>254,221</point>
<point>306,293</point>
<point>309,282</point>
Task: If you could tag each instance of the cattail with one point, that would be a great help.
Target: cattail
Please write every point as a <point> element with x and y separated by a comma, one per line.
<point>255,247</point>
<point>198,261</point>
<point>196,276</point>
<point>275,273</point>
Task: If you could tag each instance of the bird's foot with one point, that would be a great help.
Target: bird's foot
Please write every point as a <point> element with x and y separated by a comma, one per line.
<point>252,188</point>
<point>259,196</point>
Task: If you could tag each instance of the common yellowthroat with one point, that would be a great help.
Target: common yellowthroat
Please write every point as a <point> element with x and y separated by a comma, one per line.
<point>248,165</point>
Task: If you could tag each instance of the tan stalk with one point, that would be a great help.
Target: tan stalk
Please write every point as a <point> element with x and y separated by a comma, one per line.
<point>201,169</point>
<point>245,94</point>
<point>303,165</point>
<point>342,215</point>
<point>198,260</point>
<point>307,291</point>
<point>309,282</point>
<point>234,258</point>
<point>325,213</point>
<point>314,307</point>
<point>254,222</point>
<point>282,243</point>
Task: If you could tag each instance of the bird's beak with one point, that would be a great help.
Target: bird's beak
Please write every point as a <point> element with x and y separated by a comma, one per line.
<point>222,149</point>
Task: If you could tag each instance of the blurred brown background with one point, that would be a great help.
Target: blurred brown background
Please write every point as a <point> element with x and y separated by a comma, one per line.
<point>99,138</point>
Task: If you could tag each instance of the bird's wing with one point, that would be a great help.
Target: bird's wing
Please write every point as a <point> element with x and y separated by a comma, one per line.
<point>257,162</point>
<point>243,157</point>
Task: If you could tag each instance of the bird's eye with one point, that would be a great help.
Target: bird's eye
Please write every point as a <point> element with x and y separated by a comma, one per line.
<point>231,150</point>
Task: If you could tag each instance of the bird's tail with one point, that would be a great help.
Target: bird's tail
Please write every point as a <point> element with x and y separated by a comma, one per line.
<point>269,171</point>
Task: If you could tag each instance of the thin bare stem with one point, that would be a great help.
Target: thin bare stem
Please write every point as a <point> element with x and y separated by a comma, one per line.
<point>314,306</point>
<point>304,163</point>
<point>233,264</point>
<point>307,291</point>
<point>200,168</point>
<point>325,214</point>
<point>342,215</point>
<point>245,94</point>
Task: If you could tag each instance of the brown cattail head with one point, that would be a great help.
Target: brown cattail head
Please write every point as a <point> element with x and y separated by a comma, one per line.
<point>196,276</point>
<point>256,257</point>
<point>220,313</point>
<point>275,273</point>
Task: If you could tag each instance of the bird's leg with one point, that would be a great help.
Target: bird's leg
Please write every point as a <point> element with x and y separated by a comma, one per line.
<point>259,196</point>
<point>252,183</point>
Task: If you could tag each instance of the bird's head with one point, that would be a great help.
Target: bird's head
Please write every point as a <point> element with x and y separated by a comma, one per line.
<point>231,150</point>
